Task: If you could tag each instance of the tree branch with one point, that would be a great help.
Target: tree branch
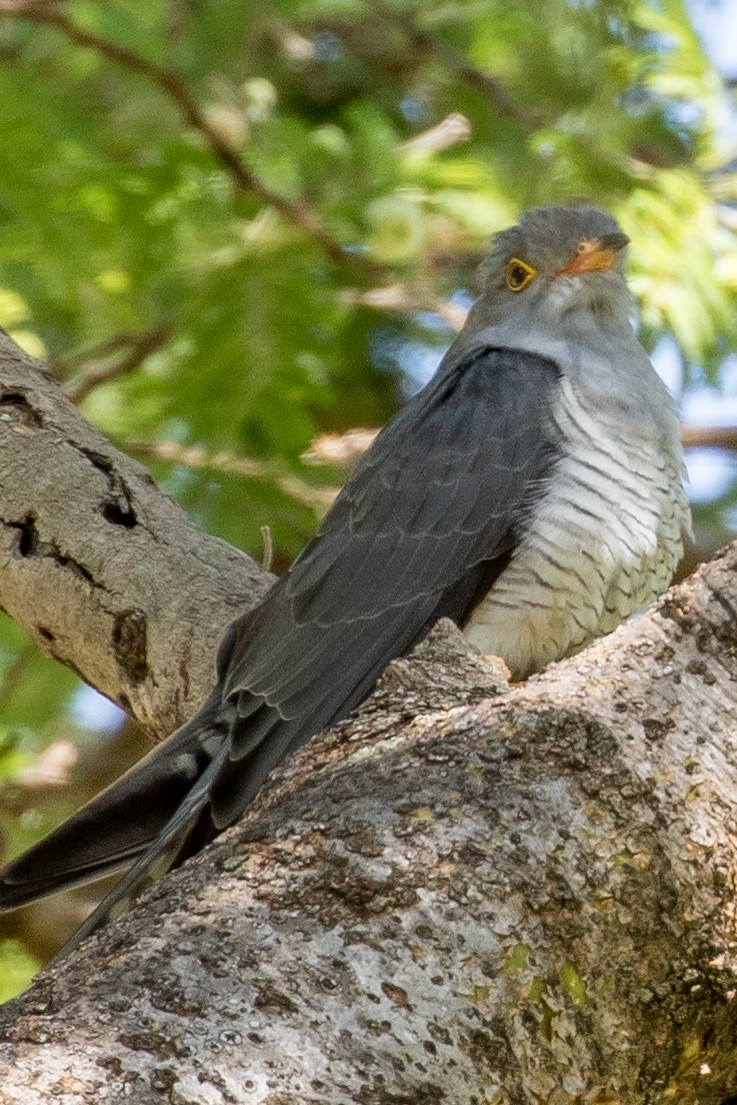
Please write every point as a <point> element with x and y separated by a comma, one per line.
<point>297,211</point>
<point>710,437</point>
<point>456,63</point>
<point>347,447</point>
<point>527,897</point>
<point>316,498</point>
<point>404,299</point>
<point>87,545</point>
<point>448,132</point>
<point>137,348</point>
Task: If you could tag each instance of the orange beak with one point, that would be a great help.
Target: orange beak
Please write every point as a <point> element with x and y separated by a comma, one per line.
<point>595,255</point>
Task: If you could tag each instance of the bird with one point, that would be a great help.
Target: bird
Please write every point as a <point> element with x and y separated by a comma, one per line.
<point>532,492</point>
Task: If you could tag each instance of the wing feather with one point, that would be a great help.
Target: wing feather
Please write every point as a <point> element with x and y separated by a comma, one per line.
<point>427,521</point>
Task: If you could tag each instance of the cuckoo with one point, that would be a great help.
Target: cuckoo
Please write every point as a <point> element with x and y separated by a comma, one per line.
<point>532,492</point>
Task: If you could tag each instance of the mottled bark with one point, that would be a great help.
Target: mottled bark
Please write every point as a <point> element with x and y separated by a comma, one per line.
<point>455,897</point>
<point>107,575</point>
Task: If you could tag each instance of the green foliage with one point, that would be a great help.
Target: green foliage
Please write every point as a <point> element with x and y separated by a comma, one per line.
<point>203,197</point>
<point>17,968</point>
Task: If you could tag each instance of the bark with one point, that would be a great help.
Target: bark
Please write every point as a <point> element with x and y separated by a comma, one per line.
<point>105,573</point>
<point>458,896</point>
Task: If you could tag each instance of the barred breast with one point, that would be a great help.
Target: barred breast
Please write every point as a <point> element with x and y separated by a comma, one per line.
<point>603,541</point>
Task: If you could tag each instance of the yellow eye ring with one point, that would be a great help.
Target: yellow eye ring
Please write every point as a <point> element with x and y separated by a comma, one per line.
<point>519,274</point>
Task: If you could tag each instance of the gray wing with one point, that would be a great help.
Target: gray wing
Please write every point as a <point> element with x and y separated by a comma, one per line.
<point>422,529</point>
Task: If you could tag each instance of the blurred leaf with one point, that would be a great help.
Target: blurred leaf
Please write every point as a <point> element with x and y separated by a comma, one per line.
<point>17,968</point>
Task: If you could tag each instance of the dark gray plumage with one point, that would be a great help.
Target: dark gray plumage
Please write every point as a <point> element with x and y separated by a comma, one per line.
<point>484,500</point>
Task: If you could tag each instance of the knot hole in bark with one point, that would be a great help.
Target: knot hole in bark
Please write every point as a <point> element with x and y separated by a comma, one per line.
<point>14,407</point>
<point>118,508</point>
<point>118,516</point>
<point>26,543</point>
<point>129,644</point>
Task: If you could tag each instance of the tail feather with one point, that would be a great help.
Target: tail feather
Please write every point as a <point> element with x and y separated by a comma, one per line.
<point>123,821</point>
<point>159,858</point>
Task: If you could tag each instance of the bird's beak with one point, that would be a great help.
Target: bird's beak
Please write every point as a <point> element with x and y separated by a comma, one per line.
<point>595,255</point>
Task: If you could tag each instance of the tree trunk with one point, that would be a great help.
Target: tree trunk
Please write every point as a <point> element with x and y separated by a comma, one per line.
<point>457,896</point>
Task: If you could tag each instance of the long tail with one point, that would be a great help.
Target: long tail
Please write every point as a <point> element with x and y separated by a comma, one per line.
<point>168,847</point>
<point>146,809</point>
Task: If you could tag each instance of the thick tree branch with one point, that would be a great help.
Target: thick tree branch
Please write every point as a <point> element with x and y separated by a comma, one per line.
<point>104,572</point>
<point>527,899</point>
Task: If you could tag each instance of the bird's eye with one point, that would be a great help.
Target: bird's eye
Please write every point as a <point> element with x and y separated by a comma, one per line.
<point>519,274</point>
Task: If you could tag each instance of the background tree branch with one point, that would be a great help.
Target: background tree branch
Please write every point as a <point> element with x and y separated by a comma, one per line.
<point>135,349</point>
<point>297,211</point>
<point>450,898</point>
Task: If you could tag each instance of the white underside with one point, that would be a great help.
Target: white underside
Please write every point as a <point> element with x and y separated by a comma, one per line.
<point>603,542</point>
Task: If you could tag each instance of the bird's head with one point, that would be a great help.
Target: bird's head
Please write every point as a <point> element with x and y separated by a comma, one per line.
<point>557,262</point>
<point>553,285</point>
